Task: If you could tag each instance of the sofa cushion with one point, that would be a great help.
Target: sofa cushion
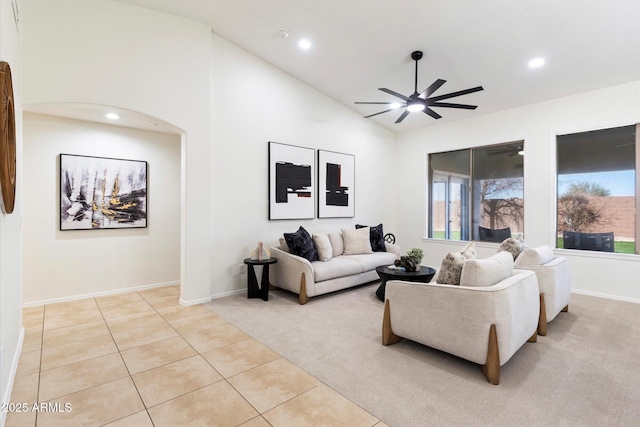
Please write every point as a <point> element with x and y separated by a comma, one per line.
<point>301,244</point>
<point>487,272</point>
<point>371,261</point>
<point>376,237</point>
<point>323,245</point>
<point>535,256</point>
<point>512,245</point>
<point>283,245</point>
<point>451,267</point>
<point>337,267</point>
<point>356,241</point>
<point>337,245</point>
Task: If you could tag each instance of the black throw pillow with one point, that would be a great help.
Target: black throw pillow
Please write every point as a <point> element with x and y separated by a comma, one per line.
<point>300,243</point>
<point>376,237</point>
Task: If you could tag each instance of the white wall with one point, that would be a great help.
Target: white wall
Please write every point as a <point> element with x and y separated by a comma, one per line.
<point>254,103</point>
<point>68,264</point>
<point>229,103</point>
<point>611,275</point>
<point>10,225</point>
<point>110,53</point>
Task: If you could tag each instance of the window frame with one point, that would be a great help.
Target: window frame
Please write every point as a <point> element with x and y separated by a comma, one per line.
<point>553,161</point>
<point>428,218</point>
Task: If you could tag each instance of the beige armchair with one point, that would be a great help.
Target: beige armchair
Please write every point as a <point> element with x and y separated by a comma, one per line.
<point>483,324</point>
<point>554,281</point>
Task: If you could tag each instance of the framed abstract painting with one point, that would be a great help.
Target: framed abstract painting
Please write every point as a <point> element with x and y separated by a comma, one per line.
<point>291,189</point>
<point>99,193</point>
<point>336,185</point>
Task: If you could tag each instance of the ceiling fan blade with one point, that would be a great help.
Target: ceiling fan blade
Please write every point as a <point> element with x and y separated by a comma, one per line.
<point>432,113</point>
<point>449,105</point>
<point>454,94</point>
<point>402,116</point>
<point>396,94</point>
<point>381,112</point>
<point>434,87</point>
<point>387,103</point>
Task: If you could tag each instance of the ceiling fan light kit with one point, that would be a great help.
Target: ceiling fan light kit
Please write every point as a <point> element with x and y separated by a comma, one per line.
<point>423,101</point>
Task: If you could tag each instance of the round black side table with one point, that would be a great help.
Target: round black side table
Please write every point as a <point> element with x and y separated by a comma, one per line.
<point>253,289</point>
<point>424,275</point>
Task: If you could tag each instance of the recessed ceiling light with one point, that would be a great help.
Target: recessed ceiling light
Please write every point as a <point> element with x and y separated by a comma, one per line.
<point>112,116</point>
<point>304,44</point>
<point>536,63</point>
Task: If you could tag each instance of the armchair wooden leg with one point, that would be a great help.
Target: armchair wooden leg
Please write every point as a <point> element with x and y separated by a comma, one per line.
<point>491,368</point>
<point>303,298</point>
<point>388,337</point>
<point>565,309</point>
<point>534,337</point>
<point>542,320</point>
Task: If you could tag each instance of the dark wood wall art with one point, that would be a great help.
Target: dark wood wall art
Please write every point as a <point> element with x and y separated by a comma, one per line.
<point>7,140</point>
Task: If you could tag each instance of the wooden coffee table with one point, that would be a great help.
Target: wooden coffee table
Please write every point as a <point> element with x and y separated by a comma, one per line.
<point>423,276</point>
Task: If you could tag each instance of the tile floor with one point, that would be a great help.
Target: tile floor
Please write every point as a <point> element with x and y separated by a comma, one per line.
<point>142,359</point>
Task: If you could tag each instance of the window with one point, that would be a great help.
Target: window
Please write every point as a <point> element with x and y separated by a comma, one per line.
<point>598,190</point>
<point>477,193</point>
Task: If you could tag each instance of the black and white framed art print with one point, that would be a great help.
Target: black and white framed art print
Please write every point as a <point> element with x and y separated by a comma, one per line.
<point>291,176</point>
<point>336,185</point>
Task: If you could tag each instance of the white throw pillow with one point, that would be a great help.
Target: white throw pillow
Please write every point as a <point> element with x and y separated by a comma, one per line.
<point>337,245</point>
<point>535,256</point>
<point>283,245</point>
<point>323,245</point>
<point>356,241</point>
<point>469,250</point>
<point>487,272</point>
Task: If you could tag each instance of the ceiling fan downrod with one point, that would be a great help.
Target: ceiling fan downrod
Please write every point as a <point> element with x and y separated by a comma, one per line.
<point>416,56</point>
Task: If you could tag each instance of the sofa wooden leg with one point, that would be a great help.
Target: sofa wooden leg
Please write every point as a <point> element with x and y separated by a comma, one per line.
<point>388,337</point>
<point>303,298</point>
<point>542,320</point>
<point>491,368</point>
<point>534,337</point>
<point>565,309</point>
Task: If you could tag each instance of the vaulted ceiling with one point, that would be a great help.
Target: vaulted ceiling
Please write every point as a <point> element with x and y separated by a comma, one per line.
<point>358,46</point>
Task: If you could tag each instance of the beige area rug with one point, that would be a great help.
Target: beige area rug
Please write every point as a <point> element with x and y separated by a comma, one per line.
<point>585,372</point>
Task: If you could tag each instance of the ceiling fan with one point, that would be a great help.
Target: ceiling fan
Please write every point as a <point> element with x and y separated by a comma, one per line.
<point>509,150</point>
<point>422,101</point>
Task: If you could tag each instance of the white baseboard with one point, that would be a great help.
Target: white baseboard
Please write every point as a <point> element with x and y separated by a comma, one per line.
<point>212,297</point>
<point>100,294</point>
<point>229,293</point>
<point>195,301</point>
<point>607,296</point>
<point>6,397</point>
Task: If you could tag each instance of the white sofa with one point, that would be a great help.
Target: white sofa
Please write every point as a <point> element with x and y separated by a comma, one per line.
<point>554,281</point>
<point>309,279</point>
<point>485,324</point>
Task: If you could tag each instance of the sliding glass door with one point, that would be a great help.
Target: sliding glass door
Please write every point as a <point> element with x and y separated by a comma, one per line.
<point>450,207</point>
